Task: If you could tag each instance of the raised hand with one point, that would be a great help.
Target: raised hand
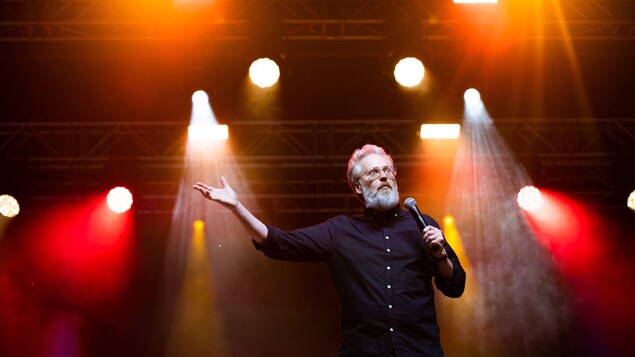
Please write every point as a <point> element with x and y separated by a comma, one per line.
<point>224,195</point>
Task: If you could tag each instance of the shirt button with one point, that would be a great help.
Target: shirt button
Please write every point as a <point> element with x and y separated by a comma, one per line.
<point>387,237</point>
<point>391,330</point>
<point>389,286</point>
<point>388,268</point>
<point>388,250</point>
<point>390,306</point>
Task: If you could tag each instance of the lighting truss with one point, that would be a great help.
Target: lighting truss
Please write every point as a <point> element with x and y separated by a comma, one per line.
<point>305,157</point>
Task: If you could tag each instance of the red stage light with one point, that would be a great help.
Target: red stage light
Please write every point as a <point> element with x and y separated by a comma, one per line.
<point>529,198</point>
<point>119,199</point>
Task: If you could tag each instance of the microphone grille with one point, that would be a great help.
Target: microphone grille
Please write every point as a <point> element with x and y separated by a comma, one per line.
<point>409,202</point>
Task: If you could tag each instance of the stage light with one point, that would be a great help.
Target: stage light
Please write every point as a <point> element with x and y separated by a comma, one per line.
<point>9,206</point>
<point>264,72</point>
<point>471,96</point>
<point>409,72</point>
<point>200,97</point>
<point>119,199</point>
<point>208,132</point>
<point>475,1</point>
<point>529,198</point>
<point>630,202</point>
<point>439,131</point>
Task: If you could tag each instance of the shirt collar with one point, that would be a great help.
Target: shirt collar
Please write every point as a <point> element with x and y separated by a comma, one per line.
<point>382,218</point>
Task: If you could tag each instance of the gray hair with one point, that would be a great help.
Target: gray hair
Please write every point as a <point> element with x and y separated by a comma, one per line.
<point>353,173</point>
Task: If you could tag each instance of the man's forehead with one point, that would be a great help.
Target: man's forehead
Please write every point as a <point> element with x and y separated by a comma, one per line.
<point>374,160</point>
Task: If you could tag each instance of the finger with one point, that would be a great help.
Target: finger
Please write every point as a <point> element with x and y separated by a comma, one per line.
<point>223,181</point>
<point>205,186</point>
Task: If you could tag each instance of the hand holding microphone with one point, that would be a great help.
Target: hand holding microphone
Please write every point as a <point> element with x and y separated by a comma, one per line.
<point>432,236</point>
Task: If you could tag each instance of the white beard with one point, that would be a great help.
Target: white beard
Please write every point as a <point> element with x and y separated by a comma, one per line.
<point>382,199</point>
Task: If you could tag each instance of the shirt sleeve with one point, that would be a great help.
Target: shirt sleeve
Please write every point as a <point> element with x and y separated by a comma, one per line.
<point>310,244</point>
<point>455,286</point>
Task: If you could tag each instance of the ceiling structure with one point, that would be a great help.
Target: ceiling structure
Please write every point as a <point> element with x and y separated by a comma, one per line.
<point>60,152</point>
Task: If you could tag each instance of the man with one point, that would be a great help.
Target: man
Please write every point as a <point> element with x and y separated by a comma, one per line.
<point>381,263</point>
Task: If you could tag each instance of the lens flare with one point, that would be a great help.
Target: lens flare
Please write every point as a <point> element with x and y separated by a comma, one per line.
<point>9,206</point>
<point>264,72</point>
<point>529,198</point>
<point>409,72</point>
<point>119,199</point>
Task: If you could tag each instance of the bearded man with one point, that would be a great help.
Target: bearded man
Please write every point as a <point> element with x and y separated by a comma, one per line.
<point>381,263</point>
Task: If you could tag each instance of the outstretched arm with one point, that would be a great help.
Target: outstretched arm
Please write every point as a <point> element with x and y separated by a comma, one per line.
<point>226,196</point>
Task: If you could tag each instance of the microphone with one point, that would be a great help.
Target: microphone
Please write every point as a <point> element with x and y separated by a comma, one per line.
<point>411,205</point>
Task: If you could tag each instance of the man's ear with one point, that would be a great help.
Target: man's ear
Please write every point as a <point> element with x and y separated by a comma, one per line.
<point>358,188</point>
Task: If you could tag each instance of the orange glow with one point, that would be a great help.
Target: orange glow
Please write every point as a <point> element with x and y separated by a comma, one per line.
<point>432,174</point>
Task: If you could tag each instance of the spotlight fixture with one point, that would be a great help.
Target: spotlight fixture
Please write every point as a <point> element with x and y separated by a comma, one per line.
<point>529,198</point>
<point>630,202</point>
<point>264,72</point>
<point>409,72</point>
<point>9,206</point>
<point>439,131</point>
<point>472,96</point>
<point>119,199</point>
<point>209,132</point>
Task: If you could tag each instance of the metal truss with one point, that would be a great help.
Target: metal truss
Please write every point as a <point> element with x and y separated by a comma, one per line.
<point>296,22</point>
<point>296,166</point>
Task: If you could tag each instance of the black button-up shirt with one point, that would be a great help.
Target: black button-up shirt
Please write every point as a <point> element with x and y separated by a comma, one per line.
<point>383,275</point>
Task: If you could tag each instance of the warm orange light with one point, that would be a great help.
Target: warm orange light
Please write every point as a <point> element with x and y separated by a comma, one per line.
<point>475,1</point>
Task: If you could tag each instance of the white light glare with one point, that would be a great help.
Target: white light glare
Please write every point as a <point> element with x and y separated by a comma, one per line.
<point>9,206</point>
<point>208,132</point>
<point>200,97</point>
<point>119,199</point>
<point>409,72</point>
<point>440,131</point>
<point>529,198</point>
<point>264,72</point>
<point>631,201</point>
<point>471,96</point>
<point>475,1</point>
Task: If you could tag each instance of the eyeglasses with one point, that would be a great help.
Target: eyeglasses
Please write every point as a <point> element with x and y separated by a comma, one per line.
<point>375,172</point>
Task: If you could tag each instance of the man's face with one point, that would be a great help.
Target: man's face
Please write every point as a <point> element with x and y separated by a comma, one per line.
<point>380,193</point>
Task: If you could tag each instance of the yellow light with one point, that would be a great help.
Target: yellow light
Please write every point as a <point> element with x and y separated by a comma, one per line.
<point>119,199</point>
<point>529,198</point>
<point>409,72</point>
<point>440,131</point>
<point>198,225</point>
<point>9,206</point>
<point>208,132</point>
<point>631,201</point>
<point>264,72</point>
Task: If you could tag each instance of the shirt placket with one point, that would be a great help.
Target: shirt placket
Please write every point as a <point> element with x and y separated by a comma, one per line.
<point>388,253</point>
